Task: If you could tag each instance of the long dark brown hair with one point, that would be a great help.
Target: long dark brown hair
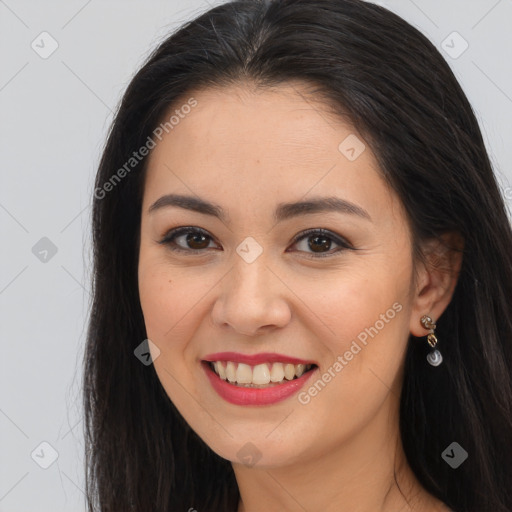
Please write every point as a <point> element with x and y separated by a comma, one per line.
<point>386,77</point>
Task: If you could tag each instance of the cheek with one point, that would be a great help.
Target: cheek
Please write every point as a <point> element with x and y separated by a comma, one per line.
<point>165,297</point>
<point>353,305</point>
<point>167,302</point>
<point>157,300</point>
<point>367,312</point>
<point>173,301</point>
<point>369,317</point>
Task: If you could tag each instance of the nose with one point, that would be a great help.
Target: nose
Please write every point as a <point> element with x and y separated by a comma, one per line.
<point>252,299</point>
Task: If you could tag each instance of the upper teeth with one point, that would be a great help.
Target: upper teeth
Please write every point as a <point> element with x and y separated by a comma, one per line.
<point>260,374</point>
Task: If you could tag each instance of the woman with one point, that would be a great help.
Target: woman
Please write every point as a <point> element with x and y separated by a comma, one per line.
<point>302,275</point>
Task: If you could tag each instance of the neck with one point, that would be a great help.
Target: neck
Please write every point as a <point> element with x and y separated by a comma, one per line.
<point>358,475</point>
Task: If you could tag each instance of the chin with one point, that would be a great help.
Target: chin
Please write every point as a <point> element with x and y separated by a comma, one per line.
<point>258,451</point>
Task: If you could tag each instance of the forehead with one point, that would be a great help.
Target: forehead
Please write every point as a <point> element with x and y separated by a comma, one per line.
<point>284,120</point>
<point>251,146</point>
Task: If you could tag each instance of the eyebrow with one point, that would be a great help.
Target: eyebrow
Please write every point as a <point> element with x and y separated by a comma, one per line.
<point>284,211</point>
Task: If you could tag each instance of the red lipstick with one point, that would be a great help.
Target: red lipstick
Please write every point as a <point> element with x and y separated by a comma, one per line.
<point>254,359</point>
<point>241,395</point>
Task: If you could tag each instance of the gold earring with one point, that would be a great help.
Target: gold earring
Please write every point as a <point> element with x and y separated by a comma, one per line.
<point>434,357</point>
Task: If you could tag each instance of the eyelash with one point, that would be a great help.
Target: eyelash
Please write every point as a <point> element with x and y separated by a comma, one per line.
<point>175,233</point>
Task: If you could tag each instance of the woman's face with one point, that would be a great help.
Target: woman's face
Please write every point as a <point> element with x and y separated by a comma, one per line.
<point>249,282</point>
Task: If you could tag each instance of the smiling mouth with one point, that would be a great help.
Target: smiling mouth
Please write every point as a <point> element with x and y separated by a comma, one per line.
<point>258,376</point>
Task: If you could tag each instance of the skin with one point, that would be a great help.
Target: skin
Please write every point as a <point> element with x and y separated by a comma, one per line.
<point>248,151</point>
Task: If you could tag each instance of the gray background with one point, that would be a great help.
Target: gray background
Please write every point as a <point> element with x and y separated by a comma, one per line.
<point>54,114</point>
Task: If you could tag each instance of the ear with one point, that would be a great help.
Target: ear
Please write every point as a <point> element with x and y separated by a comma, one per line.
<point>436,278</point>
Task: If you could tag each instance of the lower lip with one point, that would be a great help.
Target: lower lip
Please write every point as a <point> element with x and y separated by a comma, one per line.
<point>239,395</point>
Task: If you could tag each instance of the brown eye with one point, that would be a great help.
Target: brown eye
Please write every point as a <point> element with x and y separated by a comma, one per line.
<point>197,240</point>
<point>320,241</point>
<point>192,239</point>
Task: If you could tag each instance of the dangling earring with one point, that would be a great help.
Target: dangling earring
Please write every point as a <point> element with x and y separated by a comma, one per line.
<point>434,357</point>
